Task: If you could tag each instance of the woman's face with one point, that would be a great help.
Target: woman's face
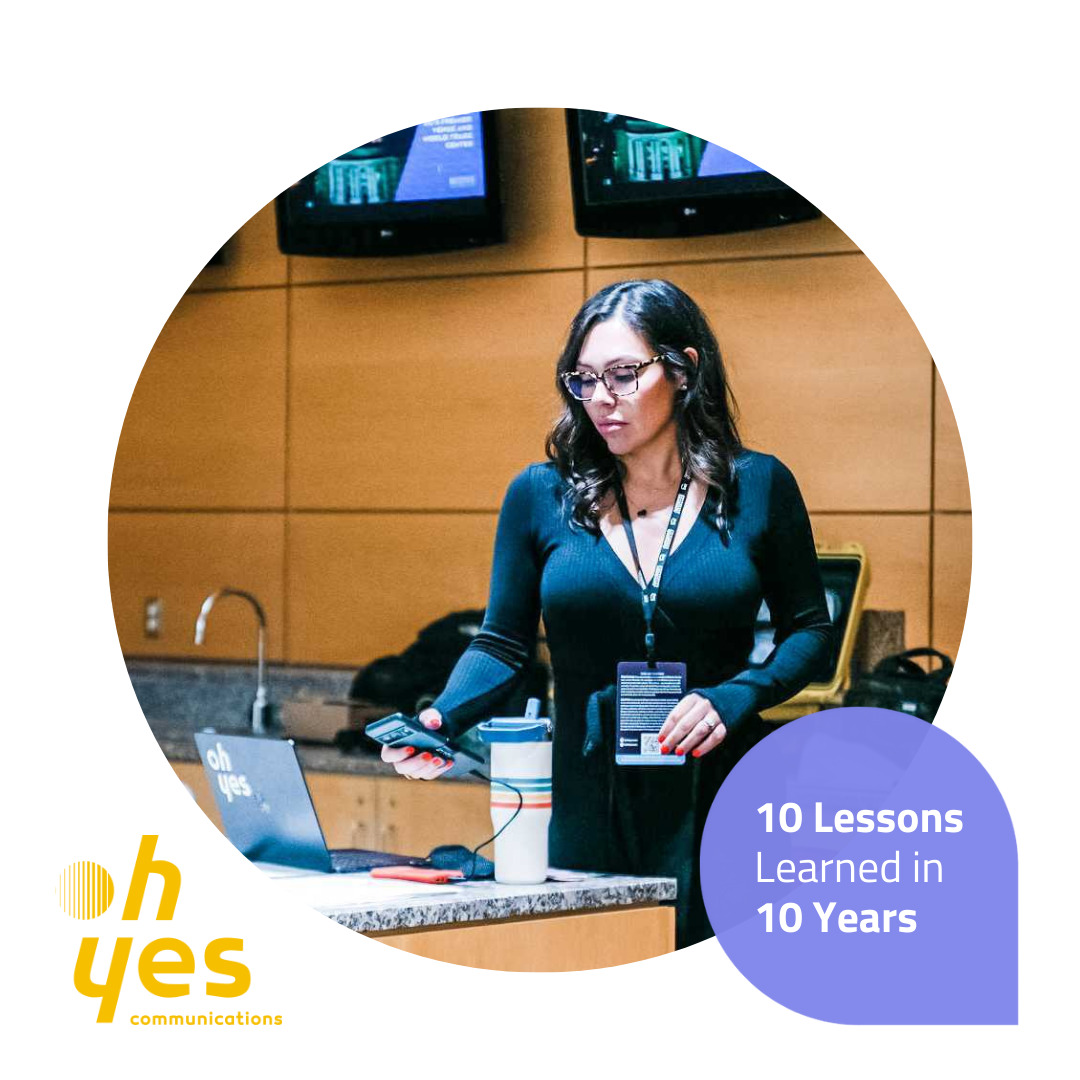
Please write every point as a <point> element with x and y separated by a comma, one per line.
<point>627,424</point>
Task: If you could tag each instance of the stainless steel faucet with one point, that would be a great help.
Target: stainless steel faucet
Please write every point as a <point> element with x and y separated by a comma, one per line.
<point>263,713</point>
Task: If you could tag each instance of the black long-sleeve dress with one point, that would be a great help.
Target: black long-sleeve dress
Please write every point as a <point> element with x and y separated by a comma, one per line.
<point>645,819</point>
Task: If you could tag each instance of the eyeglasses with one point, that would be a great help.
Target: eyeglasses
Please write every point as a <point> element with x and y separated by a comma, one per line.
<point>621,380</point>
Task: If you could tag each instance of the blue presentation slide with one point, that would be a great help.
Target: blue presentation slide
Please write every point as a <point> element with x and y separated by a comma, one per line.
<point>716,161</point>
<point>445,160</point>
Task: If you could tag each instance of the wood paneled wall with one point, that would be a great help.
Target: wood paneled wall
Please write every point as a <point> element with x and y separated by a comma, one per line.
<point>336,435</point>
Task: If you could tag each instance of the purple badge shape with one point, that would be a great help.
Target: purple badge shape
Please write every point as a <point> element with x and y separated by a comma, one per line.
<point>926,933</point>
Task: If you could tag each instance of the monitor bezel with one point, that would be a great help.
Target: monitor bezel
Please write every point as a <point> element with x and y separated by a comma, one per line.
<point>413,228</point>
<point>740,202</point>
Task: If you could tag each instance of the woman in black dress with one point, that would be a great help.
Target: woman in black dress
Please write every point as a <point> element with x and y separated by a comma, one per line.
<point>647,413</point>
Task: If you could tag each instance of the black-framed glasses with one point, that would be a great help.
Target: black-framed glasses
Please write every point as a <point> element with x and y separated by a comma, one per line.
<point>621,380</point>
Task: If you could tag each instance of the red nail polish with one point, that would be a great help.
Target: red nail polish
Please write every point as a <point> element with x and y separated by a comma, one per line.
<point>425,756</point>
<point>696,753</point>
<point>436,761</point>
<point>410,749</point>
<point>679,751</point>
<point>664,749</point>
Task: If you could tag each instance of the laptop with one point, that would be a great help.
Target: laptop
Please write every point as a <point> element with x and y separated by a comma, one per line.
<point>266,807</point>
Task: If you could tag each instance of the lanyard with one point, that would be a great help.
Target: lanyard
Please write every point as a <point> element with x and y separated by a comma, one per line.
<point>651,589</point>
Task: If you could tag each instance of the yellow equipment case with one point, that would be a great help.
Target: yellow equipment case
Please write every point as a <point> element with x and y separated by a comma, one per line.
<point>845,572</point>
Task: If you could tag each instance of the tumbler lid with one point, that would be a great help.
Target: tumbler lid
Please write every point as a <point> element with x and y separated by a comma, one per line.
<point>514,730</point>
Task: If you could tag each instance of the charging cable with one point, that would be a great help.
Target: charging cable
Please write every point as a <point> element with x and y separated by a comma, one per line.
<point>505,825</point>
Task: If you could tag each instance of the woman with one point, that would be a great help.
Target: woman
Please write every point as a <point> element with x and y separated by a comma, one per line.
<point>647,411</point>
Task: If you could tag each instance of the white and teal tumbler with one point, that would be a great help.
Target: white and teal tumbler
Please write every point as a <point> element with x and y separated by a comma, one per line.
<point>520,795</point>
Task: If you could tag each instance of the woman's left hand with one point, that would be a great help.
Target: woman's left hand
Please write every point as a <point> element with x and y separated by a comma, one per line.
<point>693,727</point>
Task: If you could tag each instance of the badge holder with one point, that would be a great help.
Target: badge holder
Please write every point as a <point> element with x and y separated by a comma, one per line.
<point>646,691</point>
<point>644,695</point>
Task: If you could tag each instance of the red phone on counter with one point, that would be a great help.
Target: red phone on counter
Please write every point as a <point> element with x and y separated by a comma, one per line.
<point>427,874</point>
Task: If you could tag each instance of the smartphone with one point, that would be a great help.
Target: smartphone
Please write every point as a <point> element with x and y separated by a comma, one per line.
<point>402,730</point>
<point>428,874</point>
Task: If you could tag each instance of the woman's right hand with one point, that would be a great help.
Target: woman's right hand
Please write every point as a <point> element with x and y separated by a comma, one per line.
<point>422,766</point>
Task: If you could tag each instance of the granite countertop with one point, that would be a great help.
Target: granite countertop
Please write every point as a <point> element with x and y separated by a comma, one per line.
<point>368,905</point>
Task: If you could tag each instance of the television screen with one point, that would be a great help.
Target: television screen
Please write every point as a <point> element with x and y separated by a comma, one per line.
<point>637,178</point>
<point>432,187</point>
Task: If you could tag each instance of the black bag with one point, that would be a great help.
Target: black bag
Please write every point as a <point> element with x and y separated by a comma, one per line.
<point>411,681</point>
<point>897,682</point>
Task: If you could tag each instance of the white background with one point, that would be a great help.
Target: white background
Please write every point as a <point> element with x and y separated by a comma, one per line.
<point>936,136</point>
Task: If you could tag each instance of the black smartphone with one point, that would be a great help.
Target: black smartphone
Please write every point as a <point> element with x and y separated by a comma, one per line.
<point>402,730</point>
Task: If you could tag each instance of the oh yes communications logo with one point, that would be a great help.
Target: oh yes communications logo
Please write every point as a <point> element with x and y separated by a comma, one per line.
<point>86,890</point>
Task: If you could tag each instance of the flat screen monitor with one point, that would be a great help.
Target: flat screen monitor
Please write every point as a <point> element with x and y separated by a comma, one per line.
<point>429,188</point>
<point>636,178</point>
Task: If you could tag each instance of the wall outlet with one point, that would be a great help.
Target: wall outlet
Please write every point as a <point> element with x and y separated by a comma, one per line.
<point>153,611</point>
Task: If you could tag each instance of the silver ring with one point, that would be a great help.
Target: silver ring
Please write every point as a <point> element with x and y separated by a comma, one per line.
<point>710,724</point>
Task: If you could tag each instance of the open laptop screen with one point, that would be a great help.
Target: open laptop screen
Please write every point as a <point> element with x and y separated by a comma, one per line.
<point>265,805</point>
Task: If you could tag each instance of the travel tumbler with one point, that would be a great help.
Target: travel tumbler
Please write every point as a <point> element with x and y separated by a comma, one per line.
<point>520,795</point>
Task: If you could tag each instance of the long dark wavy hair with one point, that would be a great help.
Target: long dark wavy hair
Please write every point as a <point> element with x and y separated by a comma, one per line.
<point>708,437</point>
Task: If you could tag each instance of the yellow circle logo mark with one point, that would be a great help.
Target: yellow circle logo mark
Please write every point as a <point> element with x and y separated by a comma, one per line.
<point>85,890</point>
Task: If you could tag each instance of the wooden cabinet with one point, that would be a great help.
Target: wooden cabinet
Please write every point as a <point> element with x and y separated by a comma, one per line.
<point>346,807</point>
<point>415,816</point>
<point>596,939</point>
